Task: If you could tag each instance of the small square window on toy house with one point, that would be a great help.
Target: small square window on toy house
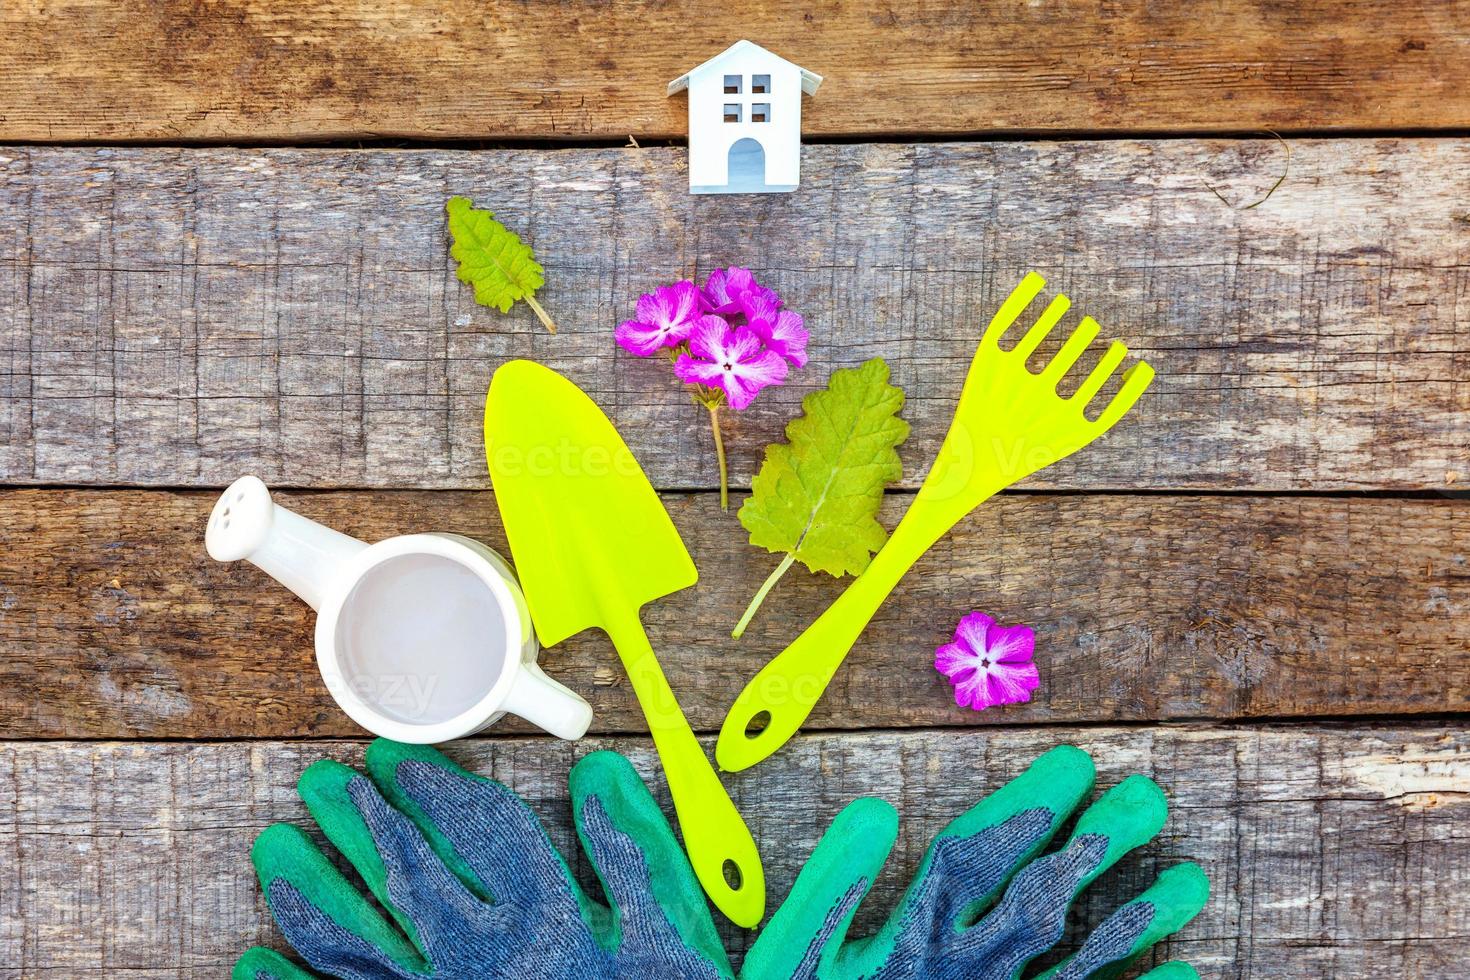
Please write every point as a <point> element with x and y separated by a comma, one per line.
<point>760,112</point>
<point>732,84</point>
<point>759,84</point>
<point>732,112</point>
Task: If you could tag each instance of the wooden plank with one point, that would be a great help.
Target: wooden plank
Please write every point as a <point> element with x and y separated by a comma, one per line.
<point>115,624</point>
<point>88,70</point>
<point>1332,852</point>
<point>178,317</point>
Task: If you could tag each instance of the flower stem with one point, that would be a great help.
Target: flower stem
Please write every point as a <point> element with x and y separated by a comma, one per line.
<point>760,595</point>
<point>714,424</point>
<point>540,312</point>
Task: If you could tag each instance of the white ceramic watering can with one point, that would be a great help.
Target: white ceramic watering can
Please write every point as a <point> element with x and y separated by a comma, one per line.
<point>420,638</point>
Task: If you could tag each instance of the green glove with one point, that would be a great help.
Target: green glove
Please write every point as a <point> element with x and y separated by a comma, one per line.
<point>476,888</point>
<point>984,902</point>
<point>478,891</point>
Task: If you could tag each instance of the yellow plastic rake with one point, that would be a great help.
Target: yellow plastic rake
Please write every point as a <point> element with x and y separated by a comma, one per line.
<point>1010,423</point>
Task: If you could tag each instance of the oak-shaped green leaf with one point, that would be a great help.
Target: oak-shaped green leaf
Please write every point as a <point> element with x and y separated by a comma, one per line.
<point>493,260</point>
<point>817,495</point>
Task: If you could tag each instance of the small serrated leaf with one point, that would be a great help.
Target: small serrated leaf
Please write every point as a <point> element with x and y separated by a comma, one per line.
<point>492,258</point>
<point>816,496</point>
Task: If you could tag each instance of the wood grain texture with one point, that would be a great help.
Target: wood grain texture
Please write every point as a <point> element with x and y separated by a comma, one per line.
<point>179,317</point>
<point>1332,853</point>
<point>252,69</point>
<point>115,624</point>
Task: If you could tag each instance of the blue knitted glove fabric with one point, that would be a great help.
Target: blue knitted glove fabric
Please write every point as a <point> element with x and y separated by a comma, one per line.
<point>985,902</point>
<point>474,886</point>
<point>476,890</point>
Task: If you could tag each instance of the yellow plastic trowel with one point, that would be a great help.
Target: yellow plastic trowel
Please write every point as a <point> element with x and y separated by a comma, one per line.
<point>592,544</point>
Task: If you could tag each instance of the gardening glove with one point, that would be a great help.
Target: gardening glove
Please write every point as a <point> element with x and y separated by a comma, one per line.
<point>948,925</point>
<point>475,887</point>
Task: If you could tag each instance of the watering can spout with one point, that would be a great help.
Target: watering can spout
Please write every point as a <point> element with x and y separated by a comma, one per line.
<point>304,556</point>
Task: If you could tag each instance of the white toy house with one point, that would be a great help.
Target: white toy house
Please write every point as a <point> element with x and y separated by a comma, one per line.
<point>745,121</point>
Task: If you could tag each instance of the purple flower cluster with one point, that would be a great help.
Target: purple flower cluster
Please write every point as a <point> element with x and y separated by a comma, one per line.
<point>730,338</point>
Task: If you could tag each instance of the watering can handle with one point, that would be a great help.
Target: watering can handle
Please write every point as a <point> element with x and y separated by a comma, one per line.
<point>548,704</point>
<point>721,848</point>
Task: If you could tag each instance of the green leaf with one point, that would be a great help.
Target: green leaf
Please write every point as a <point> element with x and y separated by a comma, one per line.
<point>816,496</point>
<point>491,258</point>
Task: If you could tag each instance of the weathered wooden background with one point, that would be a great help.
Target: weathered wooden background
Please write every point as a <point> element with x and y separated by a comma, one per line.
<point>169,70</point>
<point>1255,589</point>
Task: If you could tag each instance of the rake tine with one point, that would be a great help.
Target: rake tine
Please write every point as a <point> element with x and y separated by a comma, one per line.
<point>1017,301</point>
<point>1114,355</point>
<point>1135,380</point>
<point>1042,327</point>
<point>1074,348</point>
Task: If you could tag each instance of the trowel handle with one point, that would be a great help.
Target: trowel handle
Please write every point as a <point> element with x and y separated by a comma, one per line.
<point>720,846</point>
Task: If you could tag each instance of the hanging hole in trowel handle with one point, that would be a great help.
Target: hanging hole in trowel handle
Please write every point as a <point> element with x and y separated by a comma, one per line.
<point>732,877</point>
<point>721,848</point>
<point>757,723</point>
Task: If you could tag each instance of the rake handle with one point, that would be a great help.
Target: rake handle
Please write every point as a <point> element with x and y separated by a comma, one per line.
<point>1008,424</point>
<point>786,689</point>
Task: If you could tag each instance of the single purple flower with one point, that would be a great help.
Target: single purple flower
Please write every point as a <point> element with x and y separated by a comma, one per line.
<point>665,317</point>
<point>989,664</point>
<point>780,330</point>
<point>725,288</point>
<point>730,359</point>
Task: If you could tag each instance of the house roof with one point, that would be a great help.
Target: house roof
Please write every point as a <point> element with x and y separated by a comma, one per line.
<point>809,79</point>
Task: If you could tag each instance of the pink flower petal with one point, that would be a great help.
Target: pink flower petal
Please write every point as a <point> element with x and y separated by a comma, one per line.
<point>709,338</point>
<point>651,309</point>
<point>789,337</point>
<point>989,664</point>
<point>780,330</point>
<point>665,317</point>
<point>1011,644</point>
<point>717,293</point>
<point>696,372</point>
<point>687,301</point>
<point>971,630</point>
<point>760,312</point>
<point>745,378</point>
<point>952,658</point>
<point>726,289</point>
<point>745,344</point>
<point>639,338</point>
<point>732,360</point>
<point>970,692</point>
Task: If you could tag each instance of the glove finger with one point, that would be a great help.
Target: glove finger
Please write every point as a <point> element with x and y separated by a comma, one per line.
<point>266,964</point>
<point>1031,916</point>
<point>326,788</point>
<point>479,829</point>
<point>342,800</point>
<point>322,915</point>
<point>441,908</point>
<point>806,932</point>
<point>969,862</point>
<point>1175,897</point>
<point>982,849</point>
<point>645,874</point>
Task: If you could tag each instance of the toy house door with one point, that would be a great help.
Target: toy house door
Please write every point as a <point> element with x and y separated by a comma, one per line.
<point>747,164</point>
